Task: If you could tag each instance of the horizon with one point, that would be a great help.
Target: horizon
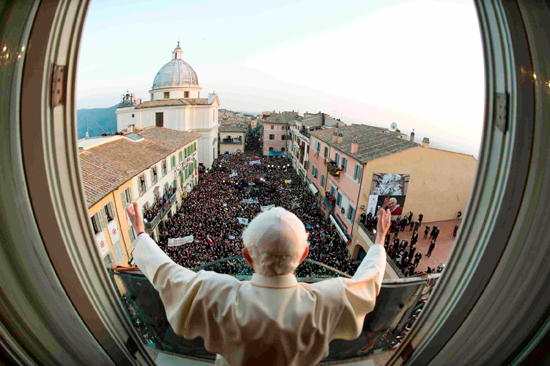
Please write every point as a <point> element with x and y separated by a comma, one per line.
<point>374,63</point>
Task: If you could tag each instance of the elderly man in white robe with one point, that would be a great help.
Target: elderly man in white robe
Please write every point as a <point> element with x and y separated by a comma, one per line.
<point>272,319</point>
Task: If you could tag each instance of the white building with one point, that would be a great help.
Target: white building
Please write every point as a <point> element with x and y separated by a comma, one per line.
<point>176,104</point>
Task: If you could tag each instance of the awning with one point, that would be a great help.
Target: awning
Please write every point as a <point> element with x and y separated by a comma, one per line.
<point>338,228</point>
<point>313,188</point>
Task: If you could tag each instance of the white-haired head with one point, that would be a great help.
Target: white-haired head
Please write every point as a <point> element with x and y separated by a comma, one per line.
<point>275,240</point>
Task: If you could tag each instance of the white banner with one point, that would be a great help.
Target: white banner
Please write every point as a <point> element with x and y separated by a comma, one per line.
<point>371,207</point>
<point>255,162</point>
<point>250,201</point>
<point>102,243</point>
<point>113,232</point>
<point>180,241</point>
<point>266,208</point>
<point>242,220</point>
<point>231,237</point>
<point>233,175</point>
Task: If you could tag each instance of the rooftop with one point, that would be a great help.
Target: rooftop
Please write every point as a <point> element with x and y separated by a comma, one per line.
<point>284,118</point>
<point>232,128</point>
<point>174,102</point>
<point>108,166</point>
<point>372,142</point>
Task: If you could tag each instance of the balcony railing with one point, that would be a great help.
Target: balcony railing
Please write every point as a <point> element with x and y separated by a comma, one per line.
<point>333,169</point>
<point>305,133</point>
<point>151,225</point>
<point>234,141</point>
<point>397,306</point>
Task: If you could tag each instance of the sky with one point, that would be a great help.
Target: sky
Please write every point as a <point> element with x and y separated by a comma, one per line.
<point>417,63</point>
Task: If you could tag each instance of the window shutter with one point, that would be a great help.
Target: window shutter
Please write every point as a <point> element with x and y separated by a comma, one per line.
<point>123,197</point>
<point>112,209</point>
<point>130,199</point>
<point>118,251</point>
<point>104,216</point>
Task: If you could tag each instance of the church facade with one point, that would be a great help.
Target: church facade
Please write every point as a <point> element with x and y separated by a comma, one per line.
<point>176,104</point>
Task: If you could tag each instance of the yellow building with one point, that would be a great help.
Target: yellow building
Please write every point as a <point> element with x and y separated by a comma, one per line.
<point>142,167</point>
<point>232,138</point>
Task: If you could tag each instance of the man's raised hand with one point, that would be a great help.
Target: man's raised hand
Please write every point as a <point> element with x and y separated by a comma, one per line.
<point>135,217</point>
<point>384,222</point>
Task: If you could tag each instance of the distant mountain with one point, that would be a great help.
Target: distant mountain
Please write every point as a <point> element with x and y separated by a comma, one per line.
<point>96,121</point>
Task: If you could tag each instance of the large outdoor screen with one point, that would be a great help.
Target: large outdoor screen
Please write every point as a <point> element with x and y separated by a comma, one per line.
<point>388,190</point>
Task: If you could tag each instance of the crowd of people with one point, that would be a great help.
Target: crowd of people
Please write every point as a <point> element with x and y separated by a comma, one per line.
<point>234,188</point>
<point>401,252</point>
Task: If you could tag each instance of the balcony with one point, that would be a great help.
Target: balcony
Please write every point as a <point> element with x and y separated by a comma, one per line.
<point>151,225</point>
<point>330,202</point>
<point>398,305</point>
<point>305,132</point>
<point>333,169</point>
<point>231,141</point>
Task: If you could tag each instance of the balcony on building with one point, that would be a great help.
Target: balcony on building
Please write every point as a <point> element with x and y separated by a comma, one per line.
<point>333,169</point>
<point>162,212</point>
<point>232,141</point>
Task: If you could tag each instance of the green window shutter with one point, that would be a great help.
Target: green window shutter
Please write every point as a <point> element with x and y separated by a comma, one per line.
<point>118,251</point>
<point>123,197</point>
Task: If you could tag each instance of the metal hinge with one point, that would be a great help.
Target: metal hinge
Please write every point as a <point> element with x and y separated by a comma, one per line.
<point>501,118</point>
<point>58,86</point>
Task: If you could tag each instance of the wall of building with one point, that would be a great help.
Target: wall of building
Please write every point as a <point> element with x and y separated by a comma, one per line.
<point>440,181</point>
<point>194,92</point>
<point>231,148</point>
<point>104,239</point>
<point>278,143</point>
<point>318,160</point>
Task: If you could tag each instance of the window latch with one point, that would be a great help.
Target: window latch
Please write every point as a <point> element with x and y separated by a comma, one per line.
<point>58,86</point>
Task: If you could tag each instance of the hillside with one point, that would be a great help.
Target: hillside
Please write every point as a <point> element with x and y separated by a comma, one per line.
<point>96,120</point>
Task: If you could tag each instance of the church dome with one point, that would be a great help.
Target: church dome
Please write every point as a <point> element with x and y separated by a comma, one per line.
<point>176,73</point>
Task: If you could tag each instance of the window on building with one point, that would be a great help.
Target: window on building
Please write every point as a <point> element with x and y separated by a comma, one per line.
<point>142,184</point>
<point>317,146</point>
<point>181,179</point>
<point>186,94</point>
<point>180,157</point>
<point>350,212</point>
<point>126,197</point>
<point>332,191</point>
<point>174,183</point>
<point>357,173</point>
<point>322,180</point>
<point>272,137</point>
<point>109,260</point>
<point>108,213</point>
<point>272,127</point>
<point>337,159</point>
<point>344,163</point>
<point>164,168</point>
<point>154,175</point>
<point>132,115</point>
<point>270,149</point>
<point>118,251</point>
<point>339,199</point>
<point>326,151</point>
<point>97,223</point>
<point>159,119</point>
<point>166,95</point>
<point>307,165</point>
<point>283,137</point>
<point>283,149</point>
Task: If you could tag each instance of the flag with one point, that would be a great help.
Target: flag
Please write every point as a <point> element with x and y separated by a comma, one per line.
<point>242,220</point>
<point>209,240</point>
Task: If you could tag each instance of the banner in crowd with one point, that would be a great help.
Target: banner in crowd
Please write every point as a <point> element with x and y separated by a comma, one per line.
<point>266,208</point>
<point>250,201</point>
<point>180,241</point>
<point>233,175</point>
<point>242,220</point>
<point>231,237</point>
<point>391,189</point>
<point>255,162</point>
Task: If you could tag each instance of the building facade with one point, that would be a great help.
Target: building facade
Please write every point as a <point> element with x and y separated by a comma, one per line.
<point>232,138</point>
<point>145,167</point>
<point>176,104</point>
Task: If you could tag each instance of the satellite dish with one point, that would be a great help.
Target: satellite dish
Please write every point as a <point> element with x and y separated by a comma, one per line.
<point>393,125</point>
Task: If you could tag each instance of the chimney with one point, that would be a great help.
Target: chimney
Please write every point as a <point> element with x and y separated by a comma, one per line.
<point>354,147</point>
<point>322,119</point>
<point>426,142</point>
<point>334,137</point>
<point>340,138</point>
<point>412,136</point>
